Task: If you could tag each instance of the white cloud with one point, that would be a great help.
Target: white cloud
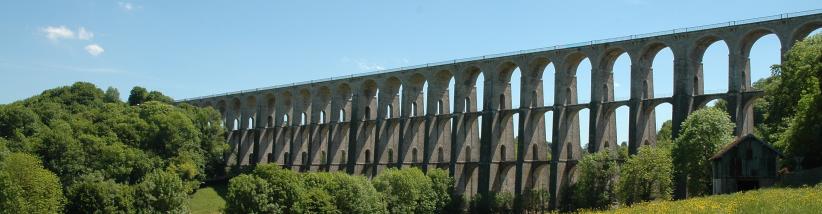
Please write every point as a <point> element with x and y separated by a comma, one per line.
<point>83,34</point>
<point>366,66</point>
<point>94,49</point>
<point>56,33</point>
<point>127,6</point>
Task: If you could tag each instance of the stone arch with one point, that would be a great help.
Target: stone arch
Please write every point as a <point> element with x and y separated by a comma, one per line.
<point>698,51</point>
<point>750,37</point>
<point>413,94</point>
<point>270,109</point>
<point>286,107</point>
<point>389,97</point>
<point>805,30</point>
<point>369,93</point>
<point>467,89</point>
<point>342,102</point>
<point>322,101</point>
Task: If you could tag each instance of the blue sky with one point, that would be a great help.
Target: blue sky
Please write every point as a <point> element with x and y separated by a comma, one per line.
<point>193,48</point>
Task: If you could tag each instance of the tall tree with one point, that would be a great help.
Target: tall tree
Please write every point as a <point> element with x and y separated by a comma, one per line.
<point>112,95</point>
<point>703,133</point>
<point>646,176</point>
<point>797,101</point>
<point>137,96</point>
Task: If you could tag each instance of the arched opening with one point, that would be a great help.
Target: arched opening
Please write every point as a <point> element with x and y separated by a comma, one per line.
<point>622,117</point>
<point>414,155</point>
<point>548,84</point>
<point>479,89</point>
<point>270,122</point>
<point>439,107</point>
<point>549,127</point>
<point>389,111</point>
<point>502,102</point>
<point>502,153</point>
<point>323,159</point>
<point>367,156</point>
<point>322,117</point>
<point>367,113</point>
<point>304,158</point>
<point>662,70</point>
<point>285,120</point>
<point>303,119</point>
<point>236,125</point>
<point>621,72</point>
<point>763,55</point>
<point>440,155</point>
<point>343,160</point>
<point>286,158</point>
<point>583,81</point>
<point>414,109</point>
<point>535,152</point>
<point>584,126</point>
<point>714,69</point>
<point>250,123</point>
<point>663,112</point>
<point>467,106</point>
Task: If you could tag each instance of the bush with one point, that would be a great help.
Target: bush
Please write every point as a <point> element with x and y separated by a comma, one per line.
<point>703,133</point>
<point>354,194</point>
<point>94,195</point>
<point>286,187</point>
<point>646,176</point>
<point>443,186</point>
<point>596,185</point>
<point>250,194</point>
<point>25,187</point>
<point>407,191</point>
<point>161,191</point>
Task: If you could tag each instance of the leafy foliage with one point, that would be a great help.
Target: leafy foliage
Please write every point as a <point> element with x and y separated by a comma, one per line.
<point>703,133</point>
<point>646,176</point>
<point>93,195</point>
<point>100,147</point>
<point>596,185</point>
<point>796,102</point>
<point>161,192</point>
<point>25,187</point>
<point>406,191</point>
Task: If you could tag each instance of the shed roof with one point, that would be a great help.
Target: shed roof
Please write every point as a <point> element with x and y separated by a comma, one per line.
<point>749,137</point>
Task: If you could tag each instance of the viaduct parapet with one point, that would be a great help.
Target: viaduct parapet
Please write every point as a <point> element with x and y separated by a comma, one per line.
<point>365,123</point>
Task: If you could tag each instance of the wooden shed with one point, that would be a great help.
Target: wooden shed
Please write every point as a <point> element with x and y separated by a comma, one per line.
<point>745,164</point>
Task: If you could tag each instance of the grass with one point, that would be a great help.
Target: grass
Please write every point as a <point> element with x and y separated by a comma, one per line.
<point>771,200</point>
<point>208,200</point>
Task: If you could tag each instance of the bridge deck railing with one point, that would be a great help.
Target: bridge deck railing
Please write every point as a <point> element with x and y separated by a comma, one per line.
<point>550,48</point>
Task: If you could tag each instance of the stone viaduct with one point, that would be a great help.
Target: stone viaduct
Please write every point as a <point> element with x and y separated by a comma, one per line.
<point>362,124</point>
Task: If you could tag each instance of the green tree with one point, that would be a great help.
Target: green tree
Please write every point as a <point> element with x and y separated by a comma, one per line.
<point>250,194</point>
<point>406,190</point>
<point>159,97</point>
<point>442,185</point>
<point>664,135</point>
<point>646,176</point>
<point>94,195</point>
<point>137,96</point>
<point>286,187</point>
<point>161,192</point>
<point>354,194</point>
<point>596,184</point>
<point>112,95</point>
<point>25,187</point>
<point>703,133</point>
<point>797,102</point>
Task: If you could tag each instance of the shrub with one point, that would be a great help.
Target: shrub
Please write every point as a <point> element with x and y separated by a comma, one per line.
<point>25,187</point>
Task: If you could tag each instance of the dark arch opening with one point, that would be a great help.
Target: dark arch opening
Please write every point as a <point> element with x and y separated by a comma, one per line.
<point>270,122</point>
<point>367,156</point>
<point>414,155</point>
<point>502,153</point>
<point>367,113</point>
<point>440,155</point>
